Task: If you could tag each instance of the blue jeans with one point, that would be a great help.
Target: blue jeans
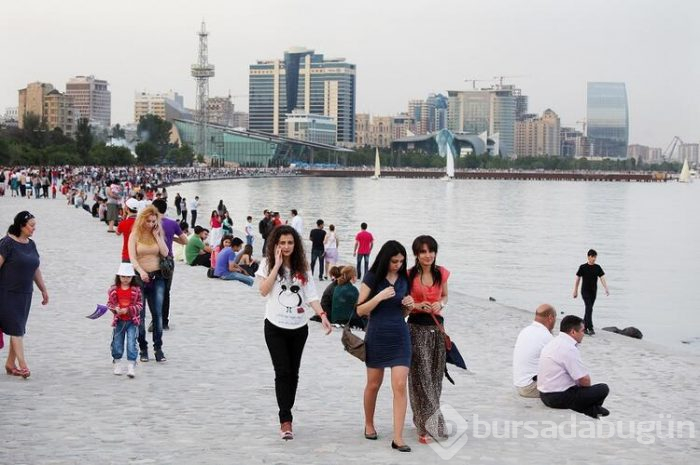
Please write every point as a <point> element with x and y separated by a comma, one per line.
<point>249,240</point>
<point>153,294</point>
<point>359,260</point>
<point>236,276</point>
<point>125,329</point>
<point>317,254</point>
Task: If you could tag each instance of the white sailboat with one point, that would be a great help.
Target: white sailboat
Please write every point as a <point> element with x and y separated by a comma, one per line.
<point>685,172</point>
<point>450,165</point>
<point>377,171</point>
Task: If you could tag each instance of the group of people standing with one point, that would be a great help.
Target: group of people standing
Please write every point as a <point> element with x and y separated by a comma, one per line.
<point>388,294</point>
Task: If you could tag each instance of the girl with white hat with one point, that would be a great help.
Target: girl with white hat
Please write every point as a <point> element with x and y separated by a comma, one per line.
<point>125,302</point>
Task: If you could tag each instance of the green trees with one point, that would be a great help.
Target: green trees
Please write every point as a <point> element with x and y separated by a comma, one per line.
<point>83,140</point>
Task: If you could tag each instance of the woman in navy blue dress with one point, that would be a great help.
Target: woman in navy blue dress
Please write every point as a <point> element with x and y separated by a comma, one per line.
<point>384,298</point>
<point>19,270</point>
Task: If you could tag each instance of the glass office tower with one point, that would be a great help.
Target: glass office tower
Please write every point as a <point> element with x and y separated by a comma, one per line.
<point>607,119</point>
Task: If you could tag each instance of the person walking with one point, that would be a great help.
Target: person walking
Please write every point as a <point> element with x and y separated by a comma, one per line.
<point>19,270</point>
<point>194,205</point>
<point>317,237</point>
<point>384,298</point>
<point>364,241</point>
<point>330,246</point>
<point>428,284</point>
<point>286,283</point>
<point>589,273</point>
<point>125,301</point>
<point>177,201</point>
<point>183,209</point>
<point>146,247</point>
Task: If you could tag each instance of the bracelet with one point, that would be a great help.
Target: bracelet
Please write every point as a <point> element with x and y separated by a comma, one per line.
<point>321,314</point>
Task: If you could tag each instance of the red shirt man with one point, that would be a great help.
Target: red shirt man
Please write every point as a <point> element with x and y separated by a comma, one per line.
<point>364,241</point>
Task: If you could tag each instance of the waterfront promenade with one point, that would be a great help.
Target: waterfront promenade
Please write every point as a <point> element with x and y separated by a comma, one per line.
<point>213,402</point>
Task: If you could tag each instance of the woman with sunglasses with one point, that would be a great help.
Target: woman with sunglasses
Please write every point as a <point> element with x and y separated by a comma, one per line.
<point>19,269</point>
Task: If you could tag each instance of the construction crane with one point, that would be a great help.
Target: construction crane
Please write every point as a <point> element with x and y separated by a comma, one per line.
<point>474,81</point>
<point>676,142</point>
<point>501,78</point>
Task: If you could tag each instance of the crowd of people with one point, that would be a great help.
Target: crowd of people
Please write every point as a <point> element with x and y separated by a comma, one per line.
<point>400,307</point>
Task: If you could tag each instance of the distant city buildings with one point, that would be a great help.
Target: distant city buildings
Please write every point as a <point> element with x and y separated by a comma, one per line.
<point>312,128</point>
<point>538,136</point>
<point>573,143</point>
<point>220,110</point>
<point>240,119</point>
<point>92,98</point>
<point>381,131</point>
<point>690,152</point>
<point>607,119</point>
<point>644,154</point>
<point>304,81</point>
<point>428,115</point>
<point>52,107</point>
<point>10,117</point>
<point>169,105</point>
<point>494,110</point>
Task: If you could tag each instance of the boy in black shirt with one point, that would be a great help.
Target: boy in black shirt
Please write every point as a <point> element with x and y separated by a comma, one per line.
<point>317,248</point>
<point>590,272</point>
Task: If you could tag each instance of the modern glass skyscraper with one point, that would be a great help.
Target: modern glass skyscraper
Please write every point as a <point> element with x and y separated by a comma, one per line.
<point>607,119</point>
<point>304,81</point>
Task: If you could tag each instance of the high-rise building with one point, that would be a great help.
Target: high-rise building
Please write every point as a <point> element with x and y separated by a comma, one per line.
<point>493,110</point>
<point>240,119</point>
<point>92,98</point>
<point>537,136</point>
<point>304,81</point>
<point>607,119</point>
<point>438,102</point>
<point>573,143</point>
<point>690,152</point>
<point>220,110</point>
<point>422,112</point>
<point>169,105</point>
<point>52,107</point>
<point>60,113</point>
<point>31,100</point>
<point>311,128</point>
<point>362,125</point>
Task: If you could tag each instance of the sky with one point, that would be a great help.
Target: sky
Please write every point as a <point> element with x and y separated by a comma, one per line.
<point>402,49</point>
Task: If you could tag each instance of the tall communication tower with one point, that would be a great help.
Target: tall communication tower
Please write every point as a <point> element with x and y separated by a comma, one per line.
<point>201,72</point>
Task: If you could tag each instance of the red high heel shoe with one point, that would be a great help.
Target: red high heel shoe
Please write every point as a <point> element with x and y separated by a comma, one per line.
<point>12,371</point>
<point>24,372</point>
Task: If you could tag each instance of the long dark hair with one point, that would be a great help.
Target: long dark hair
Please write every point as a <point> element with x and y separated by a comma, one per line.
<point>380,266</point>
<point>118,282</point>
<point>298,266</point>
<point>418,244</point>
<point>21,220</point>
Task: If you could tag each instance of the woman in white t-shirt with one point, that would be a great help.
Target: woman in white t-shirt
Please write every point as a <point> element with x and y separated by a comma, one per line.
<point>285,281</point>
<point>330,244</point>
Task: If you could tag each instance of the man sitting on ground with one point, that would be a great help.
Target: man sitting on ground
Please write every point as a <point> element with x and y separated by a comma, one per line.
<point>526,353</point>
<point>196,253</point>
<point>226,267</point>
<point>563,380</point>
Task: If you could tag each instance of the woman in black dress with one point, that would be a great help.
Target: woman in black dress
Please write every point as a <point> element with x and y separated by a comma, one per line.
<point>384,298</point>
<point>19,268</point>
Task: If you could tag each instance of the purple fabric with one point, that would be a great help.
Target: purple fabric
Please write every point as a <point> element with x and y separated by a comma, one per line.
<point>171,228</point>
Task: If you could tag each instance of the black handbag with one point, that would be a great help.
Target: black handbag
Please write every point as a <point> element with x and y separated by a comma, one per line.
<point>167,265</point>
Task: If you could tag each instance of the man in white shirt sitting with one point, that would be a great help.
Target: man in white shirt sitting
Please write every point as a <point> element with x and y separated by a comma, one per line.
<point>563,379</point>
<point>526,353</point>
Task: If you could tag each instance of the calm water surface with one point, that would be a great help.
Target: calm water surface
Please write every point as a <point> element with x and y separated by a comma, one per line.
<point>520,242</point>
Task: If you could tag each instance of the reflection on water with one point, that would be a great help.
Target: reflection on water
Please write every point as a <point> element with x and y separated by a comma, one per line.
<point>518,241</point>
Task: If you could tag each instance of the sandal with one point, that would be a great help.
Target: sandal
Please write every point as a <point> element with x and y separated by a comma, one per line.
<point>23,372</point>
<point>425,438</point>
<point>13,371</point>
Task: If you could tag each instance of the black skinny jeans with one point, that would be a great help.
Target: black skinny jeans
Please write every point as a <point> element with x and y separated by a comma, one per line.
<point>586,400</point>
<point>286,347</point>
<point>588,300</point>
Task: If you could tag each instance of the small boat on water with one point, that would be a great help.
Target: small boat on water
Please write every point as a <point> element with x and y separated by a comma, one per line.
<point>685,173</point>
<point>450,165</point>
<point>377,170</point>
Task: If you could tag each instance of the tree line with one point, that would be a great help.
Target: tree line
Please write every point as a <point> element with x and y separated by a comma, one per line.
<point>35,144</point>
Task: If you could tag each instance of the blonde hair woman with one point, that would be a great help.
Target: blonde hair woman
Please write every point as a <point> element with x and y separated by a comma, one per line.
<point>146,247</point>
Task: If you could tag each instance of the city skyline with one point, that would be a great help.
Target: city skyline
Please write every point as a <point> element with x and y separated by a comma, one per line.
<point>402,51</point>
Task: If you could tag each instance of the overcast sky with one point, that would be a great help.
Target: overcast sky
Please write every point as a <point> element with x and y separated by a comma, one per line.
<point>402,49</point>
